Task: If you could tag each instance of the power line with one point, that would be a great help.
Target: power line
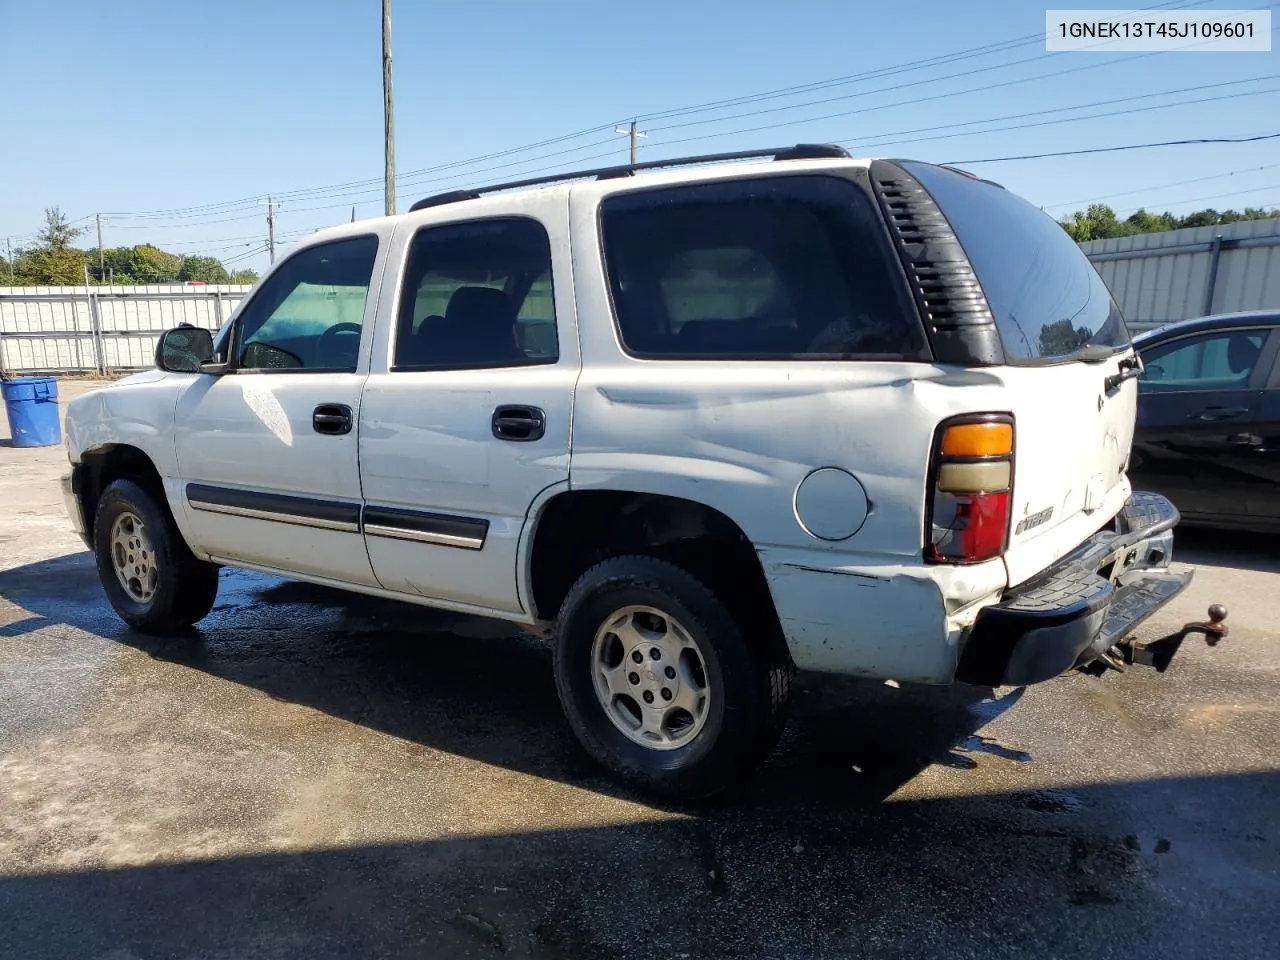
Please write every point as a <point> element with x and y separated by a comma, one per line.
<point>349,186</point>
<point>189,243</point>
<point>472,174</point>
<point>294,234</point>
<point>610,153</point>
<point>1161,186</point>
<point>1217,196</point>
<point>184,223</point>
<point>966,54</point>
<point>1090,116</point>
<point>200,212</point>
<point>1040,58</point>
<point>337,189</point>
<point>406,179</point>
<point>1130,146</point>
<point>261,248</point>
<point>910,102</point>
<point>1078,106</point>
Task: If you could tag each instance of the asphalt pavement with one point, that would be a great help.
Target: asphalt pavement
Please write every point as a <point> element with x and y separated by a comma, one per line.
<point>313,774</point>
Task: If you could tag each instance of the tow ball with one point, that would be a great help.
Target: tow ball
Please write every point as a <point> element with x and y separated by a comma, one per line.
<point>1159,653</point>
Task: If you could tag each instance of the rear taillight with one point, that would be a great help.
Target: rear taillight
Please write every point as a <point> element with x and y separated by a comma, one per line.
<point>970,484</point>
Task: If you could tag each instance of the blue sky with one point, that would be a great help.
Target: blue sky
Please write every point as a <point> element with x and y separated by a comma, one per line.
<point>133,106</point>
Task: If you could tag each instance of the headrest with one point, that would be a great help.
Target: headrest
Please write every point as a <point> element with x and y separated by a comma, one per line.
<point>484,307</point>
<point>1242,353</point>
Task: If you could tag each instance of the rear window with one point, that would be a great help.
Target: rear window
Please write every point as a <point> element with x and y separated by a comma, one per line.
<point>1048,301</point>
<point>767,268</point>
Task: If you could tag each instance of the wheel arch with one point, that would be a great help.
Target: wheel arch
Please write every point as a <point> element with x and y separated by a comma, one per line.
<point>574,529</point>
<point>100,466</point>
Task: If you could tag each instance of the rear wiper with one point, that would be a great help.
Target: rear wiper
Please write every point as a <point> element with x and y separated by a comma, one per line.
<point>1130,367</point>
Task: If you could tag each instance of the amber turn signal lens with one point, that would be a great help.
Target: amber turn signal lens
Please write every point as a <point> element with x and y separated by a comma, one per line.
<point>978,440</point>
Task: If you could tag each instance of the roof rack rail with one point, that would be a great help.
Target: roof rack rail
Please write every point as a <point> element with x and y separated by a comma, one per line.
<point>800,151</point>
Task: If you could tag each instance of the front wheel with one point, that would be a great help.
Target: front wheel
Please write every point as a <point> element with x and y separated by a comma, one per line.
<point>153,580</point>
<point>658,681</point>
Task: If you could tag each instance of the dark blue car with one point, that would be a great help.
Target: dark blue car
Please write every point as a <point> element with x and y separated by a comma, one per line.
<point>1208,432</point>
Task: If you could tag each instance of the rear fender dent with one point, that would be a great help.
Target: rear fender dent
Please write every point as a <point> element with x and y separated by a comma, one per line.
<point>879,623</point>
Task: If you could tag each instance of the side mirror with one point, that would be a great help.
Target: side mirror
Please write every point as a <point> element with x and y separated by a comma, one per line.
<point>184,349</point>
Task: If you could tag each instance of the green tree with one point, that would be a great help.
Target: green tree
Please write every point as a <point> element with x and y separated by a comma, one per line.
<point>1201,218</point>
<point>207,269</point>
<point>49,266</point>
<point>57,232</point>
<point>150,264</point>
<point>1143,222</point>
<point>1099,221</point>
<point>54,260</point>
<point>119,264</point>
<point>1059,339</point>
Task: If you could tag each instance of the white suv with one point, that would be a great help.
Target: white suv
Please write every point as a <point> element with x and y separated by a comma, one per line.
<point>703,426</point>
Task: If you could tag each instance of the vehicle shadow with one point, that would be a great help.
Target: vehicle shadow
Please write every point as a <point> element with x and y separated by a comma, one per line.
<point>1203,546</point>
<point>483,689</point>
<point>1169,868</point>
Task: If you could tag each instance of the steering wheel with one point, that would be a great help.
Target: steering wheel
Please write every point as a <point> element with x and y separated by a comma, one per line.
<point>323,346</point>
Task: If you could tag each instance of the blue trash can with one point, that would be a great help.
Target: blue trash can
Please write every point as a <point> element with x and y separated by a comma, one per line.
<point>31,403</point>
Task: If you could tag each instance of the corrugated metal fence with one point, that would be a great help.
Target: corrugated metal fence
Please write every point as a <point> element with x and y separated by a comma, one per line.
<point>101,329</point>
<point>1161,277</point>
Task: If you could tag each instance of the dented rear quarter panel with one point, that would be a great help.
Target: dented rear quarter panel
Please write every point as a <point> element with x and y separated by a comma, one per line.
<point>741,436</point>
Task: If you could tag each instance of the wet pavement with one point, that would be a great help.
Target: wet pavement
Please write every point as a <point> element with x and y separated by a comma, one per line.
<point>313,774</point>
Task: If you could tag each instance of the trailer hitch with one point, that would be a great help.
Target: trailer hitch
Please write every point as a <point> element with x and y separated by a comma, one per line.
<point>1159,653</point>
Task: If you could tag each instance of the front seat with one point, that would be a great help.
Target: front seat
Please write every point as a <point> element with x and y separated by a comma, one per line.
<point>479,329</point>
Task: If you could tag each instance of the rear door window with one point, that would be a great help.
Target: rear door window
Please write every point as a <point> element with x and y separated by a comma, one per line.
<point>792,267</point>
<point>476,295</point>
<point>1048,301</point>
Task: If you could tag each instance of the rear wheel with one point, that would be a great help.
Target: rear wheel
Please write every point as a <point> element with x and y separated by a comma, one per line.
<point>658,681</point>
<point>152,579</point>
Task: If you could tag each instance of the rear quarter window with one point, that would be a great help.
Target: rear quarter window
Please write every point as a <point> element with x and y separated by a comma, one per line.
<point>795,267</point>
<point>1047,299</point>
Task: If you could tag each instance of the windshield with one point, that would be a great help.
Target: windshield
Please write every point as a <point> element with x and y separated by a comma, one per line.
<point>1047,299</point>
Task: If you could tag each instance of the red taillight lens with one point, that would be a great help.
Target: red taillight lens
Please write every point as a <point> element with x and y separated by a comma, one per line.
<point>970,479</point>
<point>974,530</point>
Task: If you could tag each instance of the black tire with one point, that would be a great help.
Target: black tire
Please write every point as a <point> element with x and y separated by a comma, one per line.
<point>749,690</point>
<point>185,587</point>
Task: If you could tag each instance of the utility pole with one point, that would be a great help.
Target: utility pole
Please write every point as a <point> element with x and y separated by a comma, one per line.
<point>8,246</point>
<point>388,113</point>
<point>271,226</point>
<point>102,263</point>
<point>634,132</point>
